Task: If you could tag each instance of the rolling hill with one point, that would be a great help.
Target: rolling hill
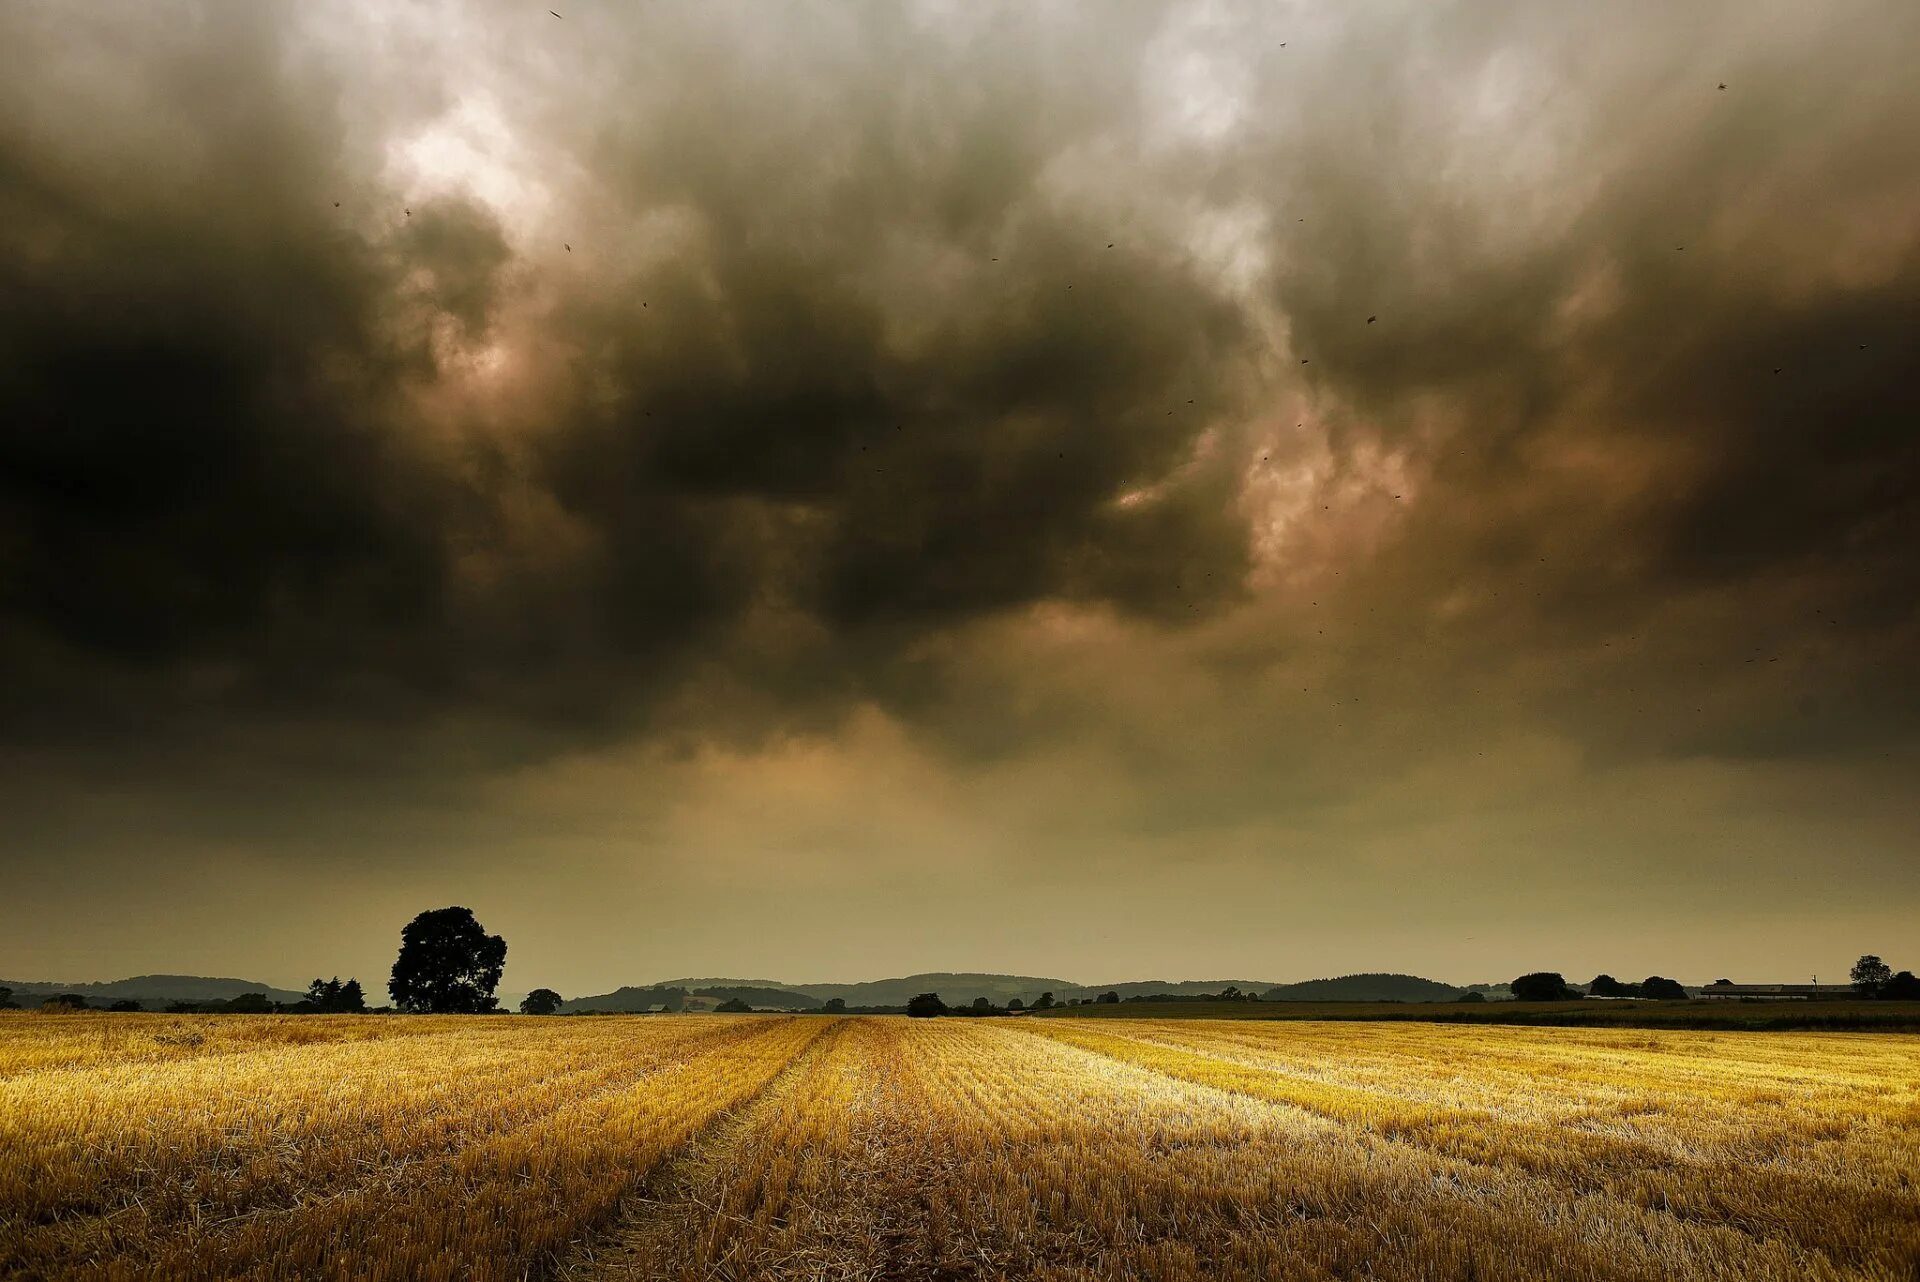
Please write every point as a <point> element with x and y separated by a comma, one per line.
<point>955,989</point>
<point>1364,988</point>
<point>154,992</point>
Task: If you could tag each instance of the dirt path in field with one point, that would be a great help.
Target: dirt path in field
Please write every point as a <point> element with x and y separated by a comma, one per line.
<point>687,1221</point>
<point>827,1176</point>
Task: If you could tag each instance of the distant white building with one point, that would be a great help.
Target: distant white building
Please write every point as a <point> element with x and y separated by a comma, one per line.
<point>1781,992</point>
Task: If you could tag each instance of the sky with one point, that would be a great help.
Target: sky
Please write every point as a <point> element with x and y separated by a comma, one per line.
<point>825,491</point>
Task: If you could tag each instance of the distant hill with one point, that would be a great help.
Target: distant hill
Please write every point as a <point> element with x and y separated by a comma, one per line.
<point>761,997</point>
<point>955,989</point>
<point>696,994</point>
<point>1364,988</point>
<point>155,992</point>
<point>629,1000</point>
<point>962,988</point>
<point>1167,987</point>
<point>725,981</point>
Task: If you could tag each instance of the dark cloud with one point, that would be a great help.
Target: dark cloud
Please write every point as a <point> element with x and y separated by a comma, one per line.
<point>215,373</point>
<point>1222,433</point>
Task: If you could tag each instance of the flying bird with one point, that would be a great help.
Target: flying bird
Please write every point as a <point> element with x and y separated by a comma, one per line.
<point>409,213</point>
<point>1372,319</point>
<point>557,15</point>
<point>336,204</point>
<point>569,248</point>
<point>1723,84</point>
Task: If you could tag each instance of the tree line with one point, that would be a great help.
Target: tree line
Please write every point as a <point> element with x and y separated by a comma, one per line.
<point>449,965</point>
<point>1872,979</point>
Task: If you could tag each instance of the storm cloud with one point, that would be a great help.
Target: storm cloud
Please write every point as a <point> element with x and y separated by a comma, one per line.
<point>1324,448</point>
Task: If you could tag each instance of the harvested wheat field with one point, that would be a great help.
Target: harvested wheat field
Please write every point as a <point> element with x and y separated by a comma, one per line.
<point>798,1147</point>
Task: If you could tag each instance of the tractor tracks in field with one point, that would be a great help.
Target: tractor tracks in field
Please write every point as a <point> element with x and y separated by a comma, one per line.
<point>1674,1186</point>
<point>829,1175</point>
<point>679,1218</point>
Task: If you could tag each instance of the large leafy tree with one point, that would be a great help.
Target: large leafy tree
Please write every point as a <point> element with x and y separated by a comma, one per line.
<point>926,1005</point>
<point>448,964</point>
<point>1542,986</point>
<point>541,1001</point>
<point>331,997</point>
<point>1869,973</point>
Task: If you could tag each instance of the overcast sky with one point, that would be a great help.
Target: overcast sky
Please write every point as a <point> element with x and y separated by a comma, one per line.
<point>824,491</point>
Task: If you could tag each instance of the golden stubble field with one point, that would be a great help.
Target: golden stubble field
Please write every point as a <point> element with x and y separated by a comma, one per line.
<point>798,1147</point>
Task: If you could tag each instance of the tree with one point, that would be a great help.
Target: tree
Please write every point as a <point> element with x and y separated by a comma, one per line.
<point>926,1006</point>
<point>1542,986</point>
<point>448,965</point>
<point>65,1001</point>
<point>733,1006</point>
<point>1472,995</point>
<point>1869,973</point>
<point>125,1004</point>
<point>1045,1002</point>
<point>835,1006</point>
<point>1016,1004</point>
<point>1231,993</point>
<point>1660,989</point>
<point>1608,986</point>
<point>541,1001</point>
<point>331,997</point>
<point>982,1004</point>
<point>250,1004</point>
<point>6,999</point>
<point>1902,987</point>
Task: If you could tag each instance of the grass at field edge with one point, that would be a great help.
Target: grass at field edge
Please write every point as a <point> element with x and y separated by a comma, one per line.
<point>1761,1016</point>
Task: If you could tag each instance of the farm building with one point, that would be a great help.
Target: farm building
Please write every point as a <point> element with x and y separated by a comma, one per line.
<point>1781,992</point>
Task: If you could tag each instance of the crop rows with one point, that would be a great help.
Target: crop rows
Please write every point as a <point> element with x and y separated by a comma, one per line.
<point>814,1148</point>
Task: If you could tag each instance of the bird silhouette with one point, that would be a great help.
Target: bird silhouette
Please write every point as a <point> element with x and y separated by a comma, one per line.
<point>336,204</point>
<point>1723,85</point>
<point>569,248</point>
<point>1372,319</point>
<point>554,14</point>
<point>409,213</point>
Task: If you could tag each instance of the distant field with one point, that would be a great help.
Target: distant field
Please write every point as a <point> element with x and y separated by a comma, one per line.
<point>803,1147</point>
<point>1864,1015</point>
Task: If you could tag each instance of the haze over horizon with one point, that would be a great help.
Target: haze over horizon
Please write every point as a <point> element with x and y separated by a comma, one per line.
<point>852,490</point>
